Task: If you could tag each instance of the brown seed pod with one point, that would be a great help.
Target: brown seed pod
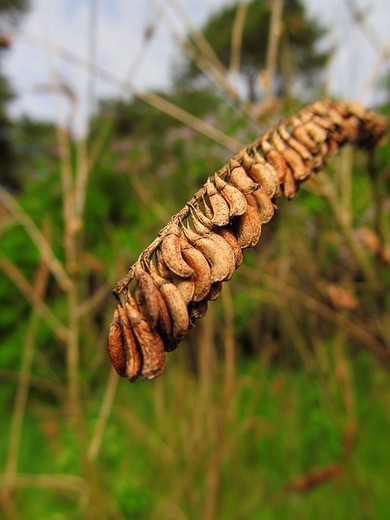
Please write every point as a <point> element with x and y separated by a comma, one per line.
<point>132,353</point>
<point>293,159</point>
<point>264,174</point>
<point>149,343</point>
<point>176,307</point>
<point>248,226</point>
<point>146,296</point>
<point>162,267</point>
<point>239,178</point>
<point>186,287</point>
<point>217,253</point>
<point>171,253</point>
<point>164,325</point>
<point>315,131</point>
<point>221,213</point>
<point>215,291</point>
<point>234,197</point>
<point>264,204</point>
<point>197,310</point>
<point>200,222</point>
<point>202,271</point>
<point>301,134</point>
<point>115,345</point>
<point>289,186</point>
<point>294,144</point>
<point>275,158</point>
<point>228,234</point>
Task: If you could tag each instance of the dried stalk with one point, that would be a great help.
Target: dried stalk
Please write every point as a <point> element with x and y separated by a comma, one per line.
<point>184,267</point>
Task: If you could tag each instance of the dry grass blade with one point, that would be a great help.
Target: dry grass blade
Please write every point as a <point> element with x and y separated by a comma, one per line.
<point>325,126</point>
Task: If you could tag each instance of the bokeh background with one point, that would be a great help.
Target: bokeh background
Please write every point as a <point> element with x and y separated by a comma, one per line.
<point>277,405</point>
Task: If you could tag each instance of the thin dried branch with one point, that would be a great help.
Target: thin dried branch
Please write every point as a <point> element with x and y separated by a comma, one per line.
<point>12,206</point>
<point>185,266</point>
<point>238,26</point>
<point>272,48</point>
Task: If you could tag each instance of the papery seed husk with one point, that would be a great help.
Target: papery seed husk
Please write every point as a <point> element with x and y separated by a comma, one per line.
<point>164,325</point>
<point>132,353</point>
<point>318,133</point>
<point>171,253</point>
<point>289,186</point>
<point>162,267</point>
<point>197,310</point>
<point>239,178</point>
<point>265,175</point>
<point>248,226</point>
<point>219,206</point>
<point>115,345</point>
<point>146,296</point>
<point>215,291</point>
<point>177,310</point>
<point>228,234</point>
<point>186,287</point>
<point>220,262</point>
<point>202,271</point>
<point>149,343</point>
<point>301,134</point>
<point>200,222</point>
<point>294,144</point>
<point>278,162</point>
<point>233,196</point>
<point>265,206</point>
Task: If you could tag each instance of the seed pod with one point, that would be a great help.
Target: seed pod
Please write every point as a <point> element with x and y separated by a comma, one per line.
<point>234,197</point>
<point>293,159</point>
<point>264,205</point>
<point>218,204</point>
<point>197,310</point>
<point>202,271</point>
<point>264,174</point>
<point>289,186</point>
<point>149,342</point>
<point>275,158</point>
<point>200,222</point>
<point>164,325</point>
<point>248,226</point>
<point>171,253</point>
<point>186,287</point>
<point>177,310</point>
<point>294,144</point>
<point>301,134</point>
<point>228,234</point>
<point>318,133</point>
<point>115,345</point>
<point>132,353</point>
<point>215,291</point>
<point>146,296</point>
<point>218,254</point>
<point>239,178</point>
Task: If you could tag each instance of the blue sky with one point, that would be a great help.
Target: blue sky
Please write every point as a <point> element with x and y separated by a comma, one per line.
<point>120,25</point>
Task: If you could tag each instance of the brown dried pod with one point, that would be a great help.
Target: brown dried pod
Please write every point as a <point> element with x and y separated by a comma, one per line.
<point>315,131</point>
<point>248,226</point>
<point>265,206</point>
<point>202,271</point>
<point>234,197</point>
<point>275,158</point>
<point>197,310</point>
<point>217,253</point>
<point>294,144</point>
<point>239,178</point>
<point>221,213</point>
<point>186,287</point>
<point>132,353</point>
<point>171,253</point>
<point>115,345</point>
<point>149,342</point>
<point>201,224</point>
<point>176,307</point>
<point>146,296</point>
<point>293,159</point>
<point>228,234</point>
<point>301,134</point>
<point>164,325</point>
<point>289,185</point>
<point>215,291</point>
<point>264,174</point>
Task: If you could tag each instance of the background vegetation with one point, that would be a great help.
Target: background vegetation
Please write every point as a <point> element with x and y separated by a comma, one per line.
<point>278,403</point>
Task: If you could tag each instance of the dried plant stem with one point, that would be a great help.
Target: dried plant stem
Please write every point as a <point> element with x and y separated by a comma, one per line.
<point>11,205</point>
<point>105,409</point>
<point>237,31</point>
<point>230,382</point>
<point>56,482</point>
<point>342,215</point>
<point>312,304</point>
<point>30,294</point>
<point>272,48</point>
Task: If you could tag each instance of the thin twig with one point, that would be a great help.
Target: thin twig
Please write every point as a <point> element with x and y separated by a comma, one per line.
<point>272,48</point>
<point>237,32</point>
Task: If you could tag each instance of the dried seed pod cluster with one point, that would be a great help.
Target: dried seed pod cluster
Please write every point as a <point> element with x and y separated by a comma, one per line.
<point>200,248</point>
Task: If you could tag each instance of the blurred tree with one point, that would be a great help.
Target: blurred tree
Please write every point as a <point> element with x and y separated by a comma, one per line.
<point>10,12</point>
<point>298,56</point>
